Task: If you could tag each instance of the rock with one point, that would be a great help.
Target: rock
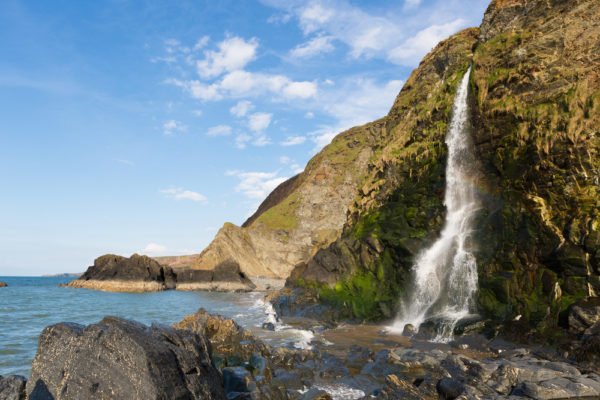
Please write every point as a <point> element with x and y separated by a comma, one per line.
<point>560,388</point>
<point>117,358</point>
<point>412,358</point>
<point>3,284</point>
<point>237,379</point>
<point>584,314</point>
<point>409,330</point>
<point>120,274</point>
<point>398,388</point>
<point>316,394</point>
<point>225,335</point>
<point>268,326</point>
<point>449,389</point>
<point>225,277</point>
<point>13,388</point>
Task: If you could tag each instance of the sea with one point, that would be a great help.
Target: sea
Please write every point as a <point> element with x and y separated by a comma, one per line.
<point>29,304</point>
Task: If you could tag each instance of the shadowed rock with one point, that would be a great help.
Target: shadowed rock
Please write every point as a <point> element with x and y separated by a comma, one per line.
<point>123,359</point>
<point>226,276</point>
<point>12,388</point>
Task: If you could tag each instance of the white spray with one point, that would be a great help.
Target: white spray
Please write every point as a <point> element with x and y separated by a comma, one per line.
<point>445,275</point>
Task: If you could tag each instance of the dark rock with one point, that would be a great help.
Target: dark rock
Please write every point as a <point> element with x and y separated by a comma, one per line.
<point>268,326</point>
<point>227,271</point>
<point>584,314</point>
<point>358,357</point>
<point>449,389</point>
<point>258,364</point>
<point>409,330</point>
<point>236,379</point>
<point>117,358</point>
<point>12,387</point>
<point>3,284</point>
<point>136,268</point>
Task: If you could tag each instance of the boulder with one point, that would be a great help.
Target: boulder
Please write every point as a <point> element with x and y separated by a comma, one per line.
<point>584,314</point>
<point>120,274</point>
<point>225,276</point>
<point>123,359</point>
<point>449,389</point>
<point>3,284</point>
<point>12,387</point>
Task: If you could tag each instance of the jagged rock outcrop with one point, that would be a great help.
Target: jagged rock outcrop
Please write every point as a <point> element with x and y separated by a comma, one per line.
<point>3,284</point>
<point>224,277</point>
<point>12,387</point>
<point>121,274</point>
<point>123,359</point>
<point>144,274</point>
<point>535,114</point>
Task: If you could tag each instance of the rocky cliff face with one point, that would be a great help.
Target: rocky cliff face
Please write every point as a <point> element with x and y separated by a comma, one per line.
<point>535,111</point>
<point>302,215</point>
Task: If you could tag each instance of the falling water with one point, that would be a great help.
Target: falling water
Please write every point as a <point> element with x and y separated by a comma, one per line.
<point>445,275</point>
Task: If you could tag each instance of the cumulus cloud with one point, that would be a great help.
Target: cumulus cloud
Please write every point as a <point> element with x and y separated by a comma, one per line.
<point>233,54</point>
<point>172,126</point>
<point>219,130</point>
<point>181,194</point>
<point>315,46</point>
<point>241,108</point>
<point>259,121</point>
<point>293,140</point>
<point>412,50</point>
<point>241,140</point>
<point>256,185</point>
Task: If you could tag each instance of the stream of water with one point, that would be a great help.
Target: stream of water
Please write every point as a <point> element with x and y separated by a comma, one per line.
<point>445,274</point>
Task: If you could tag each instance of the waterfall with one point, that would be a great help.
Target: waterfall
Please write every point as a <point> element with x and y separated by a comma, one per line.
<point>445,274</point>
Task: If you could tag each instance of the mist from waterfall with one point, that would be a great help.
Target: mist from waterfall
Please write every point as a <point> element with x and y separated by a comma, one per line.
<point>445,274</point>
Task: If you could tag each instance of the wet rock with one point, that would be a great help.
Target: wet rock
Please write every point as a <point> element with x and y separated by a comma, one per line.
<point>397,388</point>
<point>358,357</point>
<point>584,314</point>
<point>409,330</point>
<point>449,389</point>
<point>12,387</point>
<point>560,388</point>
<point>117,358</point>
<point>3,284</point>
<point>268,326</point>
<point>316,394</point>
<point>236,379</point>
<point>412,358</point>
<point>289,379</point>
<point>258,364</point>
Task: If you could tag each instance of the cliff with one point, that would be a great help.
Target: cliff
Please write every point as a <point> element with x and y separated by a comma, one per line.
<point>534,104</point>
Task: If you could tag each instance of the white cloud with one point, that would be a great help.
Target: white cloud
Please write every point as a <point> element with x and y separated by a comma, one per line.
<point>153,248</point>
<point>202,42</point>
<point>296,168</point>
<point>293,140</point>
<point>242,83</point>
<point>259,121</point>
<point>219,130</point>
<point>241,108</point>
<point>309,115</point>
<point>318,45</point>
<point>233,54</point>
<point>413,49</point>
<point>256,185</point>
<point>181,194</point>
<point>284,159</point>
<point>241,140</point>
<point>411,3</point>
<point>197,113</point>
<point>302,90</point>
<point>261,140</point>
<point>172,126</point>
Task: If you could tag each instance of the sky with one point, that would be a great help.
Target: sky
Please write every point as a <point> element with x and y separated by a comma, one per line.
<point>132,126</point>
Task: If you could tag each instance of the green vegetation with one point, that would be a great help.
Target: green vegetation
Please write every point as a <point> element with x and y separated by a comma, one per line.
<point>282,216</point>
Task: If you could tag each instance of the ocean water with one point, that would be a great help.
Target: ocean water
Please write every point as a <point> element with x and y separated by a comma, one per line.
<point>29,304</point>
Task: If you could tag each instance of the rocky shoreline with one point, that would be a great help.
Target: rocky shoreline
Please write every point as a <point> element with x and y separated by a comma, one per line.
<point>207,356</point>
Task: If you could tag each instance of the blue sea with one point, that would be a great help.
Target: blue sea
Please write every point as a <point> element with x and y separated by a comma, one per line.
<point>29,304</point>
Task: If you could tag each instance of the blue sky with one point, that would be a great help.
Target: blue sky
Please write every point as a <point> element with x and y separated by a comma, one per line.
<point>142,126</point>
